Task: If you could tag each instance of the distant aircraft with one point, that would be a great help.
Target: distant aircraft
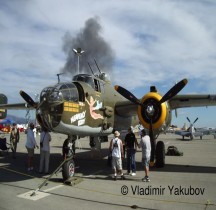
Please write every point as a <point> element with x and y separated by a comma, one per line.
<point>192,132</point>
<point>90,106</point>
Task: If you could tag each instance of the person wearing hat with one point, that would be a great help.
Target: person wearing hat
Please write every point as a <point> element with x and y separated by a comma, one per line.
<point>145,145</point>
<point>14,138</point>
<point>116,149</point>
<point>131,147</point>
<point>31,144</point>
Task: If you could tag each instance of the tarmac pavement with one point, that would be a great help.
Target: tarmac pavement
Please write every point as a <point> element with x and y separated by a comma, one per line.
<point>186,182</point>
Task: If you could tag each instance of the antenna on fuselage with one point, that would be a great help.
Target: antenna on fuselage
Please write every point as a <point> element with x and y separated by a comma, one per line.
<point>91,69</point>
<point>78,52</point>
<point>58,75</point>
<point>97,66</point>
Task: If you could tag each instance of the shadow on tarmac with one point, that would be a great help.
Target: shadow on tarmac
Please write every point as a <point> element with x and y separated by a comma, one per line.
<point>86,165</point>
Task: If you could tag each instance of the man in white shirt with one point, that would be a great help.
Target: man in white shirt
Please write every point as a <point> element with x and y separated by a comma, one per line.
<point>145,145</point>
<point>45,139</point>
<point>116,148</point>
<point>31,144</point>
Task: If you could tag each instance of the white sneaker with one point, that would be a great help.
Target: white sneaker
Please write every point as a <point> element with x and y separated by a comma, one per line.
<point>133,174</point>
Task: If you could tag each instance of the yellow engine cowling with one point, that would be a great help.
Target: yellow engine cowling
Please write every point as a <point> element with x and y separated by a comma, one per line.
<point>161,115</point>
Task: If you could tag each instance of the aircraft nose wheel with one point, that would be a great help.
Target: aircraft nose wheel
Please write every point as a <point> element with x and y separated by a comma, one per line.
<point>68,170</point>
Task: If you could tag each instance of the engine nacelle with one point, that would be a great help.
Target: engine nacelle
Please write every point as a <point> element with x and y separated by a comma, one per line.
<point>3,100</point>
<point>160,114</point>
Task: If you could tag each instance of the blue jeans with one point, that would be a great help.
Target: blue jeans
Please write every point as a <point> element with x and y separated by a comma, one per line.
<point>131,162</point>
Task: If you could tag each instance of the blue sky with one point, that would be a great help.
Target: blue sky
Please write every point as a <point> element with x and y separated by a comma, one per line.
<point>155,43</point>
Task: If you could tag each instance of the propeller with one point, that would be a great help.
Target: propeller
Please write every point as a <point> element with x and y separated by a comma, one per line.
<point>193,122</point>
<point>151,107</point>
<point>171,93</point>
<point>28,99</point>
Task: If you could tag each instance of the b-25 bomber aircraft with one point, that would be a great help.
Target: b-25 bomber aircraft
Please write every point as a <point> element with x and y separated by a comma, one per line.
<point>90,106</point>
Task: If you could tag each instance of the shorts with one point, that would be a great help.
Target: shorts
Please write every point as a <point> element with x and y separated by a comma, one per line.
<point>116,163</point>
<point>30,152</point>
<point>145,162</point>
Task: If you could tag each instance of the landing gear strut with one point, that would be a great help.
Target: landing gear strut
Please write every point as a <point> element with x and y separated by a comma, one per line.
<point>68,150</point>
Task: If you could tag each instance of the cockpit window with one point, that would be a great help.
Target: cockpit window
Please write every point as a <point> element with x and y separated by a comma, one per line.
<point>84,78</point>
<point>61,92</point>
<point>88,79</point>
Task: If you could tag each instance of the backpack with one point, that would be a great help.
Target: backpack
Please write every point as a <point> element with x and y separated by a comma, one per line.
<point>173,151</point>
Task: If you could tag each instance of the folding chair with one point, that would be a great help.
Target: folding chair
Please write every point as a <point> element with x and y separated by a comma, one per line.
<point>3,145</point>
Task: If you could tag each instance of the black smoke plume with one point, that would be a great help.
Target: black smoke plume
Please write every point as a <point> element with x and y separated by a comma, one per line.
<point>95,47</point>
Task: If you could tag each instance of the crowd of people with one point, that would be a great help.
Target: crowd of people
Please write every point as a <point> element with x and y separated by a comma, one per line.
<point>130,145</point>
<point>118,148</point>
<point>31,145</point>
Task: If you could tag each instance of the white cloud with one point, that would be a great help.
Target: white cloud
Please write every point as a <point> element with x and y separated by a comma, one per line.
<point>154,41</point>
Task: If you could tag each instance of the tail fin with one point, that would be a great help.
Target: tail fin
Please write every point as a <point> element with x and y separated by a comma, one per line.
<point>3,100</point>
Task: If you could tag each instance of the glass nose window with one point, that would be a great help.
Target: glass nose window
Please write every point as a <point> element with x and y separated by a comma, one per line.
<point>60,93</point>
<point>69,92</point>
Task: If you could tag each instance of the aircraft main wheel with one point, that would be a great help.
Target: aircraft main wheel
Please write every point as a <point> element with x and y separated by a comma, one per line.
<point>68,170</point>
<point>160,154</point>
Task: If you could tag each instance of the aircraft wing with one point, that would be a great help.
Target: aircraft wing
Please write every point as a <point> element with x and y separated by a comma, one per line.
<point>206,131</point>
<point>187,133</point>
<point>197,133</point>
<point>182,133</point>
<point>182,101</point>
<point>16,106</point>
<point>125,108</point>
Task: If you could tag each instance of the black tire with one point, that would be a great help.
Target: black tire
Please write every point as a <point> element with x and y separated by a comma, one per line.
<point>68,170</point>
<point>160,154</point>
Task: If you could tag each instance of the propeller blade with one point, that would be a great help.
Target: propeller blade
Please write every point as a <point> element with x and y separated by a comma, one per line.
<point>188,120</point>
<point>128,95</point>
<point>174,90</point>
<point>151,132</point>
<point>195,120</point>
<point>28,99</point>
<point>176,113</point>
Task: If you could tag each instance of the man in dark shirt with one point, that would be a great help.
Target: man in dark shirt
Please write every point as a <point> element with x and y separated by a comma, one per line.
<point>131,147</point>
<point>14,138</point>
